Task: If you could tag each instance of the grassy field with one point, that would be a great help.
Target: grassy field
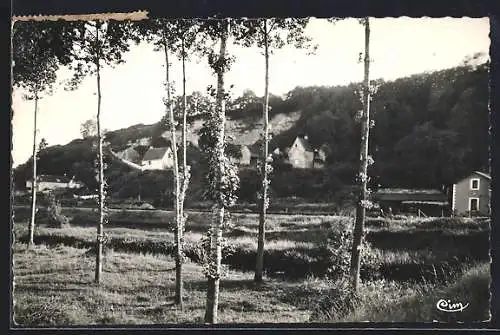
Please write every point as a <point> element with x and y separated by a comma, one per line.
<point>416,262</point>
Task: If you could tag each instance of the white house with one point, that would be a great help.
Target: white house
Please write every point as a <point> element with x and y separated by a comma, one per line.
<point>303,156</point>
<point>471,195</point>
<point>158,159</point>
<point>51,182</point>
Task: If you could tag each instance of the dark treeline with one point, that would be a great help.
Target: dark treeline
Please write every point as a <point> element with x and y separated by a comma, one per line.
<point>430,129</point>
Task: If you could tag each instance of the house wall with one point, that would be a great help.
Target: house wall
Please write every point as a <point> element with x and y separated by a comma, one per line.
<point>155,164</point>
<point>43,185</point>
<point>318,165</point>
<point>159,164</point>
<point>299,157</point>
<point>321,155</point>
<point>463,192</point>
<point>74,184</point>
<point>168,160</point>
<point>245,156</point>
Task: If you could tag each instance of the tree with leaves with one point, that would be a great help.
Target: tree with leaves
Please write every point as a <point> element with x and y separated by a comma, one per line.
<point>175,37</point>
<point>364,160</point>
<point>222,175</point>
<point>98,43</point>
<point>270,34</point>
<point>35,73</point>
<point>88,128</point>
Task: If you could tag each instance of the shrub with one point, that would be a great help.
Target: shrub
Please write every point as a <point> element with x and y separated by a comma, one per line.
<point>50,312</point>
<point>337,251</point>
<point>335,302</point>
<point>53,216</point>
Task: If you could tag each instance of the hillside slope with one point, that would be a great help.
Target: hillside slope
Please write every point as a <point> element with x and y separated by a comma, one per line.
<point>429,130</point>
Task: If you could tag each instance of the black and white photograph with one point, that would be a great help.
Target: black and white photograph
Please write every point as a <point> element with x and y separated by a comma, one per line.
<point>250,171</point>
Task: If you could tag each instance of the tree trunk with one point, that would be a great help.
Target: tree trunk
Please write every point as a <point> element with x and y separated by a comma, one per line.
<point>259,268</point>
<point>365,132</point>
<point>34,183</point>
<point>177,235</point>
<point>216,236</point>
<point>216,257</point>
<point>100,225</point>
<point>184,117</point>
<point>184,184</point>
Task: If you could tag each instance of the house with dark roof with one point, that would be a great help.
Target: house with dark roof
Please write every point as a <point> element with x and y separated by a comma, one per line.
<point>471,195</point>
<point>51,182</point>
<point>158,159</point>
<point>302,155</point>
<point>428,201</point>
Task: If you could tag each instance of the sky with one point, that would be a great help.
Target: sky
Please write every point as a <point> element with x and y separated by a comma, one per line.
<point>132,92</point>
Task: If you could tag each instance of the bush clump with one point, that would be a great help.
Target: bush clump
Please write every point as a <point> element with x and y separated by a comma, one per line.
<point>52,216</point>
<point>337,252</point>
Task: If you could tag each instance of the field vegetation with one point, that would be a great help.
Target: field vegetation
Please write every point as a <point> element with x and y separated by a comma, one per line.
<point>409,265</point>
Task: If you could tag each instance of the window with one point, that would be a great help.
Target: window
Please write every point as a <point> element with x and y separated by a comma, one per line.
<point>474,184</point>
<point>473,204</point>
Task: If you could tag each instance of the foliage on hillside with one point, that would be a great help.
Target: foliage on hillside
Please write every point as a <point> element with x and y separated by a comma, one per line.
<point>430,129</point>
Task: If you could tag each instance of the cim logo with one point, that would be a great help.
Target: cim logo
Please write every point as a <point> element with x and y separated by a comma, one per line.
<point>447,306</point>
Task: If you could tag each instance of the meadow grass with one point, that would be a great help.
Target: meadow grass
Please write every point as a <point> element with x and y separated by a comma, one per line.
<point>418,303</point>
<point>54,286</point>
<point>418,260</point>
<point>294,250</point>
<point>136,289</point>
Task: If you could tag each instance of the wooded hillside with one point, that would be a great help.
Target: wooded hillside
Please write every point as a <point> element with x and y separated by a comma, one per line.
<point>430,129</point>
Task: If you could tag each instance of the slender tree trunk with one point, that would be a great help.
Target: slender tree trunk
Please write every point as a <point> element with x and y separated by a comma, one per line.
<point>216,229</point>
<point>365,132</point>
<point>34,183</point>
<point>184,113</point>
<point>183,188</point>
<point>259,268</point>
<point>177,234</point>
<point>100,226</point>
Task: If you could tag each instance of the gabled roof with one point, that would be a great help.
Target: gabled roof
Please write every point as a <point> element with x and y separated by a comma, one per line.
<point>479,173</point>
<point>305,143</point>
<point>482,174</point>
<point>155,153</point>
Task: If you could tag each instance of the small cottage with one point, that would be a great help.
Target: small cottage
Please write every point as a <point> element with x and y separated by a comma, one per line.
<point>158,159</point>
<point>471,195</point>
<point>302,155</point>
<point>245,155</point>
<point>52,182</point>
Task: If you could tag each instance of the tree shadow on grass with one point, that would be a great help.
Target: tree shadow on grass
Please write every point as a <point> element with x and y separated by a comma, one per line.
<point>169,304</point>
<point>37,289</point>
<point>232,285</point>
<point>45,272</point>
<point>134,269</point>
